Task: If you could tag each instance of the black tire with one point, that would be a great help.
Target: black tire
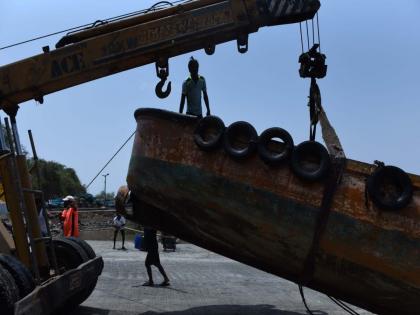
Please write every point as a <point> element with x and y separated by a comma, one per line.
<point>390,188</point>
<point>267,153</point>
<point>80,297</point>
<point>85,245</point>
<point>21,275</point>
<point>240,139</point>
<point>310,161</point>
<point>209,132</point>
<point>9,292</point>
<point>69,254</point>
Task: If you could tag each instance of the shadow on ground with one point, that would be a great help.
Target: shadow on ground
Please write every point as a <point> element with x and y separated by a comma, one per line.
<point>262,309</point>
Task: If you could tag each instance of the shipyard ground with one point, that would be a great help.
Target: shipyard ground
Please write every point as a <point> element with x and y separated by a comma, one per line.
<point>201,283</point>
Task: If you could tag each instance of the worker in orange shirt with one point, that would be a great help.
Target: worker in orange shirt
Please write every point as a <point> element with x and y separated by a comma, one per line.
<point>71,218</point>
<point>62,215</point>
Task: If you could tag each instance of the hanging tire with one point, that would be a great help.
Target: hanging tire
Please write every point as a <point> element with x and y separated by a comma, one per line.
<point>209,132</point>
<point>9,292</point>
<point>80,297</point>
<point>240,139</point>
<point>271,151</point>
<point>21,275</point>
<point>390,188</point>
<point>310,161</point>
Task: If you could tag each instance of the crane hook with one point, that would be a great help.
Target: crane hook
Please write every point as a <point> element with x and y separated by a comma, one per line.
<point>159,89</point>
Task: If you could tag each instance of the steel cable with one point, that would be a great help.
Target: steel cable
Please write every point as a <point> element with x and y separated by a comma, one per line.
<point>319,37</point>
<point>301,36</point>
<point>109,161</point>
<point>157,6</point>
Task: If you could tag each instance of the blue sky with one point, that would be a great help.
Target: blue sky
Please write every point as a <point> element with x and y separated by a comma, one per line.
<point>371,92</point>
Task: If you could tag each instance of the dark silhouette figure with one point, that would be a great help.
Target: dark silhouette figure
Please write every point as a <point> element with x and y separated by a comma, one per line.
<point>192,89</point>
<point>152,258</point>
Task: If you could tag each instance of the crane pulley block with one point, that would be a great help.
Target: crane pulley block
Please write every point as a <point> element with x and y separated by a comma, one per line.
<point>312,64</point>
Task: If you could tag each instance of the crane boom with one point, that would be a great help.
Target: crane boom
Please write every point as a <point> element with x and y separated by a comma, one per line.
<point>152,37</point>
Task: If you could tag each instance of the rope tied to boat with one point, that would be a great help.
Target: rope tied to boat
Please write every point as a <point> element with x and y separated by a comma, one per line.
<point>331,185</point>
<point>312,65</point>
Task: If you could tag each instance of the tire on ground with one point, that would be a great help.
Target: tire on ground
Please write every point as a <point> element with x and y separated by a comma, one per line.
<point>69,254</point>
<point>9,292</point>
<point>240,139</point>
<point>80,297</point>
<point>20,273</point>
<point>310,161</point>
<point>272,152</point>
<point>390,188</point>
<point>85,245</point>
<point>209,132</point>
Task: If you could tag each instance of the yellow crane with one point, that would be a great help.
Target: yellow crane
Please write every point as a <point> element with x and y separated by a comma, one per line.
<point>101,50</point>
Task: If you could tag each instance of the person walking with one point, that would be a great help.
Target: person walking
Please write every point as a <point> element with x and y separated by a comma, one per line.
<point>71,218</point>
<point>119,224</point>
<point>191,90</point>
<point>152,258</point>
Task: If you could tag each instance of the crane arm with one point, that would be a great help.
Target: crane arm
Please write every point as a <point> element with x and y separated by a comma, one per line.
<point>152,37</point>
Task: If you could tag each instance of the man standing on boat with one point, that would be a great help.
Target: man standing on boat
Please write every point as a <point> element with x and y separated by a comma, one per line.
<point>191,90</point>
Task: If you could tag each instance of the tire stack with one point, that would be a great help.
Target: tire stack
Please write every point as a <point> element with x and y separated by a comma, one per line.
<point>16,282</point>
<point>70,253</point>
<point>309,160</point>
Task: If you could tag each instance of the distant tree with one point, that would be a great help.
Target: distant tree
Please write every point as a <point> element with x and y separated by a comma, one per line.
<point>56,180</point>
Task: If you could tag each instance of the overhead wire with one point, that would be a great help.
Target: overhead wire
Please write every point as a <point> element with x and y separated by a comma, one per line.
<point>109,161</point>
<point>157,6</point>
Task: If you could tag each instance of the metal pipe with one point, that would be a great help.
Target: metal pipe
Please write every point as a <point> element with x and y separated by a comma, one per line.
<point>16,138</point>
<point>28,205</point>
<point>35,159</point>
<point>3,144</point>
<point>22,233</point>
<point>9,135</point>
<point>53,258</point>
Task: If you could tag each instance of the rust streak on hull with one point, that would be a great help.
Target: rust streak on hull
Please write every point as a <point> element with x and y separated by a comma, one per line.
<point>265,217</point>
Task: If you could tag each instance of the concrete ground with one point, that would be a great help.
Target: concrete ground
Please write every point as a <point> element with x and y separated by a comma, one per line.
<point>201,283</point>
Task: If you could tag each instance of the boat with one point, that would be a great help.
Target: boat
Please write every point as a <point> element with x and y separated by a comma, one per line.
<point>265,216</point>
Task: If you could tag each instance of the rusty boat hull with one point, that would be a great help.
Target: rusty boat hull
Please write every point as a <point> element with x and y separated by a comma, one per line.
<point>265,217</point>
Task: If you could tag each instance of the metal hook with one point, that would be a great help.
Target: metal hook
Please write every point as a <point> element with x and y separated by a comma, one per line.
<point>162,72</point>
<point>159,89</point>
